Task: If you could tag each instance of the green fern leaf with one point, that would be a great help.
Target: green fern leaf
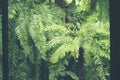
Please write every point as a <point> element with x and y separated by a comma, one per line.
<point>72,75</point>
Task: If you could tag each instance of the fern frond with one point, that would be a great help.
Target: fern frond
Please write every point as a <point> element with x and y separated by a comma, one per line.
<point>104,54</point>
<point>38,37</point>
<point>72,75</point>
<point>23,37</point>
<point>75,45</point>
<point>57,40</point>
<point>59,28</point>
<point>72,47</point>
<point>60,53</point>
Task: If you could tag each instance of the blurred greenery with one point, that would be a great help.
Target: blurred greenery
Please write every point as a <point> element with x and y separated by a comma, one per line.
<point>44,35</point>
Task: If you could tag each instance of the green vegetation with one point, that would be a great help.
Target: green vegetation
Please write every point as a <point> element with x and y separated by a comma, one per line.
<point>45,35</point>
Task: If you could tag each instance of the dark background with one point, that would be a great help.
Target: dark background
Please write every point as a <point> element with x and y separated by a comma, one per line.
<point>115,39</point>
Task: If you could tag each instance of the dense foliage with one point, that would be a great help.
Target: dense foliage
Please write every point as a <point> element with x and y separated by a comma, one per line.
<point>45,35</point>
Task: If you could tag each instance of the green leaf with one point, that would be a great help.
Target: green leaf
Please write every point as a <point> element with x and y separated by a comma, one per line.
<point>72,75</point>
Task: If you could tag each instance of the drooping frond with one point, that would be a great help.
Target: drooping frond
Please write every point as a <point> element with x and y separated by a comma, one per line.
<point>71,47</point>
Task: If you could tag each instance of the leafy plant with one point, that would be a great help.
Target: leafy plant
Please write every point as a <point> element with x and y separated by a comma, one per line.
<point>45,37</point>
